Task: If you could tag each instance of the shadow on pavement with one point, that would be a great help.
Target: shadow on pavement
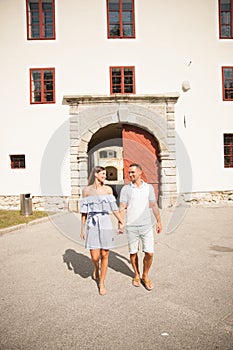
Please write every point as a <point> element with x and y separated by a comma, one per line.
<point>82,264</point>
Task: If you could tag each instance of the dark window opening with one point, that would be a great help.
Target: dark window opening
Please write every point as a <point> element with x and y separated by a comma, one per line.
<point>121,19</point>
<point>122,80</point>
<point>228,150</point>
<point>227,83</point>
<point>226,19</point>
<point>40,19</point>
<point>17,161</point>
<point>42,85</point>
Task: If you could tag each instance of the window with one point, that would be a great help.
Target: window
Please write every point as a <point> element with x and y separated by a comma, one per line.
<point>226,19</point>
<point>120,16</point>
<point>122,80</point>
<point>40,19</point>
<point>103,154</point>
<point>42,85</point>
<point>111,173</point>
<point>227,83</point>
<point>228,150</point>
<point>108,154</point>
<point>17,161</point>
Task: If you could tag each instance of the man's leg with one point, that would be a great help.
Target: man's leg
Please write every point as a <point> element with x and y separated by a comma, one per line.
<point>134,262</point>
<point>147,262</point>
<point>148,248</point>
<point>133,243</point>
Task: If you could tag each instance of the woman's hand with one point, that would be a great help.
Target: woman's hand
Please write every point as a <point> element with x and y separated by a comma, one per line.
<point>121,228</point>
<point>83,235</point>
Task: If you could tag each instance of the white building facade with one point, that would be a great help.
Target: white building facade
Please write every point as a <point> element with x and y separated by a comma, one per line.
<point>79,77</point>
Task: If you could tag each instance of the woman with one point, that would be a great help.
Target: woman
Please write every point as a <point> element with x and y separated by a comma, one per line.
<point>97,202</point>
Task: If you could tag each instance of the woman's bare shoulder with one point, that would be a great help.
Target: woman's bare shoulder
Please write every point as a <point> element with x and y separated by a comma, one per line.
<point>108,189</point>
<point>87,191</point>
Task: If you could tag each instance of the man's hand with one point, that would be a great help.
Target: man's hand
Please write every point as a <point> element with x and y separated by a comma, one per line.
<point>121,228</point>
<point>158,227</point>
<point>82,235</point>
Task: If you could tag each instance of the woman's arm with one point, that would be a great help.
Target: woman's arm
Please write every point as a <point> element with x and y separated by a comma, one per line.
<point>83,225</point>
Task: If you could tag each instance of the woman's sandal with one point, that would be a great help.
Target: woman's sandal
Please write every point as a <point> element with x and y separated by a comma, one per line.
<point>147,284</point>
<point>102,290</point>
<point>136,282</point>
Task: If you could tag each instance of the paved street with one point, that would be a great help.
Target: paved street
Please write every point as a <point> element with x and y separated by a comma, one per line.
<point>49,301</point>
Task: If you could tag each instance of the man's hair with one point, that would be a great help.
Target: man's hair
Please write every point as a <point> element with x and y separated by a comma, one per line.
<point>137,165</point>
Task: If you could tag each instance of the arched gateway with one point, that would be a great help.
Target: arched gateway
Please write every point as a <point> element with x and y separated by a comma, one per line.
<point>144,122</point>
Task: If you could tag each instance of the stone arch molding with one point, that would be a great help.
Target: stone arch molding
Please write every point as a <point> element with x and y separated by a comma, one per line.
<point>152,113</point>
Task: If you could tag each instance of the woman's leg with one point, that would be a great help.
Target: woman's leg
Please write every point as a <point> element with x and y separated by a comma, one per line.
<point>103,270</point>
<point>95,256</point>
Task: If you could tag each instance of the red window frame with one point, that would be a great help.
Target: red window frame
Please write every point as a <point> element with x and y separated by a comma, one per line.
<point>17,161</point>
<point>225,20</point>
<point>119,83</point>
<point>42,89</point>
<point>37,28</point>
<point>121,21</point>
<point>227,84</point>
<point>228,150</point>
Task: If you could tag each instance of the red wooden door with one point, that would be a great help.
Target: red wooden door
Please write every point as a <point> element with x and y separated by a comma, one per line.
<point>139,146</point>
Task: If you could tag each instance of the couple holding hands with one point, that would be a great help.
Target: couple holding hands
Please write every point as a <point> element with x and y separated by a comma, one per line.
<point>133,217</point>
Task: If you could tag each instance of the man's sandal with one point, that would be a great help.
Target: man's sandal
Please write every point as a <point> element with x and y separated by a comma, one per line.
<point>147,284</point>
<point>136,281</point>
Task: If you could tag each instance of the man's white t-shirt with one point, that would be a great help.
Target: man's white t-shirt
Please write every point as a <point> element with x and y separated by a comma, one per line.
<point>138,203</point>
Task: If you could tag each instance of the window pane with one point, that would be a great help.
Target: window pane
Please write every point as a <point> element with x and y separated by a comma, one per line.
<point>128,89</point>
<point>128,80</point>
<point>127,5</point>
<point>114,30</point>
<point>225,17</point>
<point>116,89</point>
<point>116,71</point>
<point>225,5</point>
<point>116,80</point>
<point>114,17</point>
<point>114,5</point>
<point>127,17</point>
<point>228,73</point>
<point>36,86</point>
<point>226,161</point>
<point>226,31</point>
<point>128,71</point>
<point>127,30</point>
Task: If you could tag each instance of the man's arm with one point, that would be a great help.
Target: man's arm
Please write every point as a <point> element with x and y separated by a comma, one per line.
<point>155,209</point>
<point>122,209</point>
<point>156,213</point>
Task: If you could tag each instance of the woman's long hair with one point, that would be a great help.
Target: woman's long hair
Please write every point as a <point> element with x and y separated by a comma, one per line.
<point>94,171</point>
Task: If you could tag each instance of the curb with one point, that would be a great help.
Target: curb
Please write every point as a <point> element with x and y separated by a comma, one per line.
<point>31,223</point>
<point>21,226</point>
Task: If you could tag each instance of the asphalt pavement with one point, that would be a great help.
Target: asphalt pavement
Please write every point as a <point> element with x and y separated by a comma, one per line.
<point>48,299</point>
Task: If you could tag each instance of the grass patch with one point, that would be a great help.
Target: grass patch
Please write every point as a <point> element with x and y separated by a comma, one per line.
<point>10,218</point>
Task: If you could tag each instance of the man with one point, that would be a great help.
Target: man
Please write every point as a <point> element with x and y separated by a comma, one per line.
<point>136,199</point>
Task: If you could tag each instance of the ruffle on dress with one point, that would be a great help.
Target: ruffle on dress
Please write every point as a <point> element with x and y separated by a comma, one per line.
<point>98,204</point>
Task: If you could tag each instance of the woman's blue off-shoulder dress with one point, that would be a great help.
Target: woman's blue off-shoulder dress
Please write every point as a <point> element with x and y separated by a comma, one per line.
<point>99,230</point>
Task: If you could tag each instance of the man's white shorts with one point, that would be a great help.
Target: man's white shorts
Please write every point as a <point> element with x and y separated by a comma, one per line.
<point>144,233</point>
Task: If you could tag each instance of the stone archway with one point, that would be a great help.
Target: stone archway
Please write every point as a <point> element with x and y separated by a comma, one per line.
<point>153,113</point>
